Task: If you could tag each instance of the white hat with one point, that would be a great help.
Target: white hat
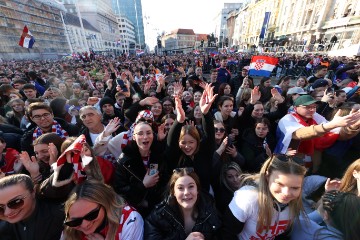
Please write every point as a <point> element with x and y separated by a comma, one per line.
<point>296,90</point>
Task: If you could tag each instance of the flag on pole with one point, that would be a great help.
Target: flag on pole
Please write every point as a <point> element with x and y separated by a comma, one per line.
<point>27,40</point>
<point>262,65</point>
<point>265,25</point>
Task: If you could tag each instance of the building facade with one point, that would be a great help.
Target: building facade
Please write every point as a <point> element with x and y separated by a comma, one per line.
<point>179,40</point>
<point>127,35</point>
<point>43,19</point>
<point>308,25</point>
<point>98,13</point>
<point>82,39</point>
<point>131,9</point>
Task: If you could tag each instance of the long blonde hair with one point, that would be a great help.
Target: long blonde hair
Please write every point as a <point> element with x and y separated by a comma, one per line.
<point>348,181</point>
<point>102,194</point>
<point>265,199</point>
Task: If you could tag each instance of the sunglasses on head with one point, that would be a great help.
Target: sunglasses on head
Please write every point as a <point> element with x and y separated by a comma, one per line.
<point>88,217</point>
<point>222,130</point>
<point>13,204</point>
<point>149,121</point>
<point>187,170</point>
<point>285,158</point>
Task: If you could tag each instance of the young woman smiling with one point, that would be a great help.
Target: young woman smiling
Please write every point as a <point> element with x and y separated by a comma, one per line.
<point>184,148</point>
<point>186,213</point>
<point>94,211</point>
<point>133,179</point>
<point>270,205</point>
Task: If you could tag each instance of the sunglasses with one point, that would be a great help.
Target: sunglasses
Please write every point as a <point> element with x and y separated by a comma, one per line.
<point>222,130</point>
<point>285,158</point>
<point>149,121</point>
<point>187,170</point>
<point>88,217</point>
<point>13,204</point>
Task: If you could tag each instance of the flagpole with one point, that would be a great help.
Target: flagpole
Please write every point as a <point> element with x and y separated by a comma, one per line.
<point>82,26</point>
<point>66,32</point>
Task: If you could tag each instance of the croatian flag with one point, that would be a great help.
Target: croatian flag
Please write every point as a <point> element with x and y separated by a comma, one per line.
<point>139,52</point>
<point>197,52</point>
<point>262,65</point>
<point>27,40</point>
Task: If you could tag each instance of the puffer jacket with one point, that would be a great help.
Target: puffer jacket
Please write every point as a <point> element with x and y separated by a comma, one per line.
<point>165,221</point>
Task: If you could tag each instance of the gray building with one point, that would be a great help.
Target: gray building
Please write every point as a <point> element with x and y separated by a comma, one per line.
<point>43,20</point>
<point>131,9</point>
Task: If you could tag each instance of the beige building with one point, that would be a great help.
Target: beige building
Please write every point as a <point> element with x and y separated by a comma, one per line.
<point>179,40</point>
<point>296,25</point>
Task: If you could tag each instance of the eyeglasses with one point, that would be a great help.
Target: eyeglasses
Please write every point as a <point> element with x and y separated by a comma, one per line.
<point>222,130</point>
<point>308,107</point>
<point>13,204</point>
<point>186,170</point>
<point>286,158</point>
<point>38,117</point>
<point>88,217</point>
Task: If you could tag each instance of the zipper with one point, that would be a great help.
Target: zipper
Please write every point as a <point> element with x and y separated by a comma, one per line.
<point>175,220</point>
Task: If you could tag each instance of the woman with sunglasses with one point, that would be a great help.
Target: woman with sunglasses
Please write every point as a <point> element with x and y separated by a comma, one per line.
<point>94,212</point>
<point>184,148</point>
<point>25,217</point>
<point>270,203</point>
<point>187,213</point>
<point>138,170</point>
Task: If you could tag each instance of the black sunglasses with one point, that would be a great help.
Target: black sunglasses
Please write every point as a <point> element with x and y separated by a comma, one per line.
<point>88,217</point>
<point>13,204</point>
<point>286,158</point>
<point>187,170</point>
<point>222,130</point>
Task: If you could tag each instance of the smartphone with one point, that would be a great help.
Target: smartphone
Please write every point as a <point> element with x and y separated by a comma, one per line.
<point>153,168</point>
<point>122,85</point>
<point>229,143</point>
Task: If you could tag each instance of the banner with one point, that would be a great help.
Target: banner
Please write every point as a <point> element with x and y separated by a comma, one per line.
<point>27,40</point>
<point>262,65</point>
<point>265,25</point>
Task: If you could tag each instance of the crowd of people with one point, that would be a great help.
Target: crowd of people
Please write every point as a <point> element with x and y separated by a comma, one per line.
<point>151,148</point>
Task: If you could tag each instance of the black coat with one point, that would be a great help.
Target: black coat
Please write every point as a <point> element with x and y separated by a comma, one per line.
<point>202,161</point>
<point>165,222</point>
<point>49,221</point>
<point>27,138</point>
<point>130,172</point>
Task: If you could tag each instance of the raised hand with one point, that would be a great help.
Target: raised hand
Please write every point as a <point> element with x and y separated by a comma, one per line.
<point>348,120</point>
<point>148,101</point>
<point>255,95</point>
<point>53,153</point>
<point>180,114</point>
<point>112,126</point>
<point>31,165</point>
<point>275,93</point>
<point>332,185</point>
<point>161,134</point>
<point>178,89</point>
<point>207,98</point>
<point>190,123</point>
<point>231,150</point>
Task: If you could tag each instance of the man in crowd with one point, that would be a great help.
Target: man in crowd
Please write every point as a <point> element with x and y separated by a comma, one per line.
<point>224,75</point>
<point>320,72</point>
<point>29,91</point>
<point>236,82</point>
<point>43,117</point>
<point>91,119</point>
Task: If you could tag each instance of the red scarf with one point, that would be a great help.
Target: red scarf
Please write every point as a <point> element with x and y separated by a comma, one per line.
<point>320,143</point>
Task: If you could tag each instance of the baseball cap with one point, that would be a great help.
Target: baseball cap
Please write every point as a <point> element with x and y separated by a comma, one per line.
<point>304,100</point>
<point>320,83</point>
<point>296,90</point>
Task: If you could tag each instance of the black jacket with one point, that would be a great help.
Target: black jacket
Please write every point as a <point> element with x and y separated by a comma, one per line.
<point>129,174</point>
<point>202,161</point>
<point>166,222</point>
<point>49,221</point>
<point>27,138</point>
